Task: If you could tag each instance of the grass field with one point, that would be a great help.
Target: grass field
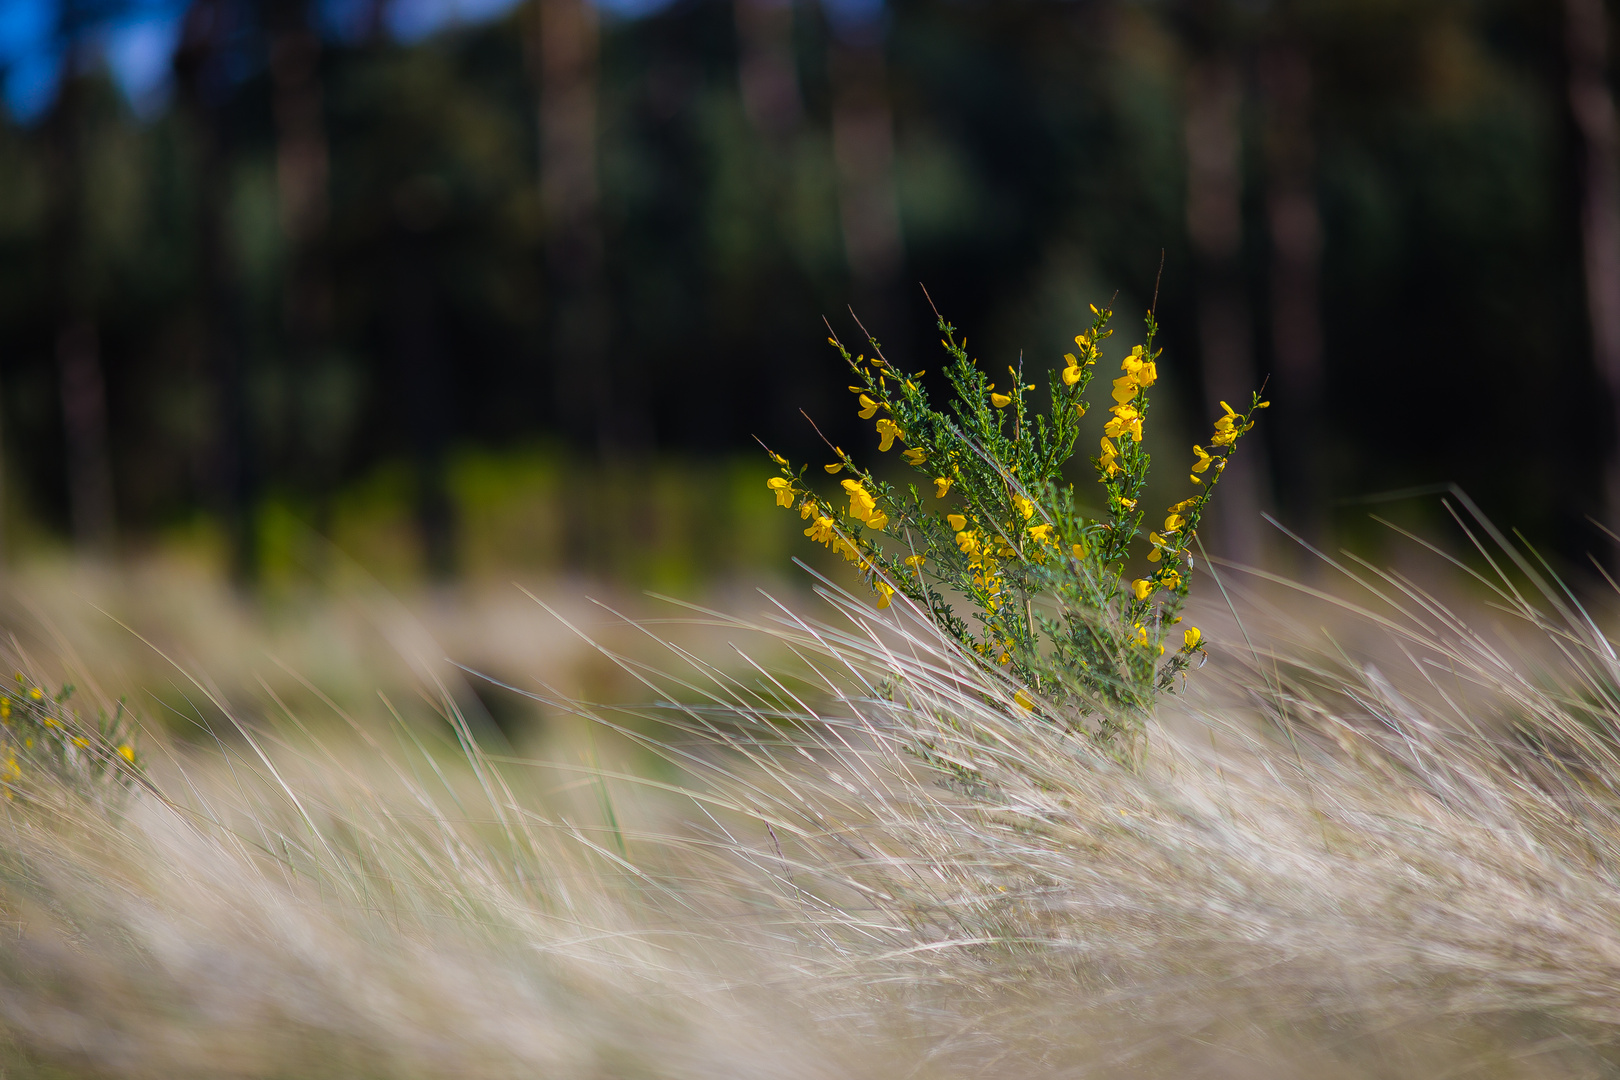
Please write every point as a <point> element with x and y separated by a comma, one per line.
<point>1377,836</point>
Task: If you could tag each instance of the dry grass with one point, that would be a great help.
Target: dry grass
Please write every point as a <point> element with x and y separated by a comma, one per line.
<point>1396,860</point>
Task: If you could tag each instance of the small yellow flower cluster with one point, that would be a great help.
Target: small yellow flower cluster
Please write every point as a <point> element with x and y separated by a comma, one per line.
<point>41,735</point>
<point>1140,372</point>
<point>888,431</point>
<point>1074,366</point>
<point>1201,464</point>
<point>1109,461</point>
<point>983,555</point>
<point>823,528</point>
<point>1172,540</point>
<point>1229,427</point>
<point>862,507</point>
<point>1168,580</point>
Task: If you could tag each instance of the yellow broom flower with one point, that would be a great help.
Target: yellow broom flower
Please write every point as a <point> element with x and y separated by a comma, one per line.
<point>861,504</point>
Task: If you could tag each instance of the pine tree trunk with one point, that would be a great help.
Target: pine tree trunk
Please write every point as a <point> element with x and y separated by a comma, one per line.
<point>1295,226</point>
<point>81,382</point>
<point>767,71</point>
<point>302,168</point>
<point>1225,336</point>
<point>1592,103</point>
<point>229,466</point>
<point>863,155</point>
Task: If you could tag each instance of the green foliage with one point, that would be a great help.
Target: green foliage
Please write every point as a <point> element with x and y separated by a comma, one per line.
<point>44,741</point>
<point>999,526</point>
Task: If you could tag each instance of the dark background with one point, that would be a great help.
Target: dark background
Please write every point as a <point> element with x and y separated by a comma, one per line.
<point>304,247</point>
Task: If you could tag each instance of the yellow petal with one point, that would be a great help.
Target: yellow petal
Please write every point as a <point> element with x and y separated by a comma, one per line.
<point>1000,401</point>
<point>958,522</point>
<point>835,468</point>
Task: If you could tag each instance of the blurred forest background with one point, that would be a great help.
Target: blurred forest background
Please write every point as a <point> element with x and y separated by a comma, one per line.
<point>466,285</point>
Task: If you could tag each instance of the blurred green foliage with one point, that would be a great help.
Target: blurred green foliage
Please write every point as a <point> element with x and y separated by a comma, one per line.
<point>1039,160</point>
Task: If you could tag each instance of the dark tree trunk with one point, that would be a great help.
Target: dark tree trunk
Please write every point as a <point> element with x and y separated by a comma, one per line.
<point>84,422</point>
<point>231,470</point>
<point>767,71</point>
<point>1592,103</point>
<point>593,406</point>
<point>1295,226</point>
<point>863,152</point>
<point>419,352</point>
<point>302,167</point>
<point>81,382</point>
<point>1225,336</point>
